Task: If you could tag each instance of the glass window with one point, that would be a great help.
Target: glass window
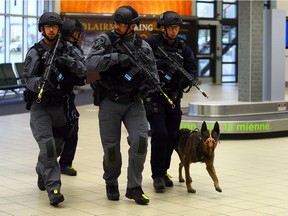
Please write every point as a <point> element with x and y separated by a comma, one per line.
<point>228,73</point>
<point>32,31</point>
<point>2,38</point>
<point>230,1</point>
<point>16,44</point>
<point>229,34</point>
<point>16,6</point>
<point>205,9</point>
<point>228,69</point>
<point>20,23</point>
<point>204,67</point>
<point>32,7</point>
<point>2,8</point>
<point>229,11</point>
<point>229,53</point>
<point>229,47</point>
<point>204,41</point>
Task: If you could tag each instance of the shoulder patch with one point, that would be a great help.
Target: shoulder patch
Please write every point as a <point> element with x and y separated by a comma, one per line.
<point>99,43</point>
<point>28,60</point>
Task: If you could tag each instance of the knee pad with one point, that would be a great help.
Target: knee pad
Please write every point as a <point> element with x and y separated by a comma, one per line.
<point>50,148</point>
<point>142,146</point>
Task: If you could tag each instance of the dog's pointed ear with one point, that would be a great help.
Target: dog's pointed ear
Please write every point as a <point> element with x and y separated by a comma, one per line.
<point>216,130</point>
<point>204,127</point>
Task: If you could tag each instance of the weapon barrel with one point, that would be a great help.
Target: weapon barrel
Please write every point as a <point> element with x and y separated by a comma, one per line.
<point>134,59</point>
<point>182,71</point>
<point>48,69</point>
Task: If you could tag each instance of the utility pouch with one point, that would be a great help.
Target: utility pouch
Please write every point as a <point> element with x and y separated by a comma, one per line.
<point>53,98</point>
<point>29,97</point>
<point>151,106</point>
<point>99,92</point>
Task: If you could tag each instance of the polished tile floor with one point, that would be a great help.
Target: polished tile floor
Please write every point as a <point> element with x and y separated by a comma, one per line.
<point>253,174</point>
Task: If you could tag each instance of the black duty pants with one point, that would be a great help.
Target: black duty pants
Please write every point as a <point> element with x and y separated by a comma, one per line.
<point>164,126</point>
<point>69,149</point>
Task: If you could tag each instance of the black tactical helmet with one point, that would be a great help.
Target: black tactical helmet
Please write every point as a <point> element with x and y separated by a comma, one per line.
<point>50,18</point>
<point>169,18</point>
<point>127,15</point>
<point>70,26</point>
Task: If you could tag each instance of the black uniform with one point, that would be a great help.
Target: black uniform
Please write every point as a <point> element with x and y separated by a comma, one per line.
<point>69,149</point>
<point>164,120</point>
<point>48,118</point>
<point>122,103</point>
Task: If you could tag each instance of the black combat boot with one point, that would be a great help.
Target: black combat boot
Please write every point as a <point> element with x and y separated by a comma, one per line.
<point>168,181</point>
<point>138,195</point>
<point>69,170</point>
<point>55,197</point>
<point>40,182</point>
<point>159,184</point>
<point>112,192</point>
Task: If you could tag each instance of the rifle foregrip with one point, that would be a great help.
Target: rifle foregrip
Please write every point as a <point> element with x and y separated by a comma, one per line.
<point>40,94</point>
<point>169,100</point>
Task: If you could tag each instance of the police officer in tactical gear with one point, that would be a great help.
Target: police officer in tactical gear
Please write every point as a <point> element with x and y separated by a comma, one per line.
<point>163,119</point>
<point>71,32</point>
<point>122,103</point>
<point>46,95</point>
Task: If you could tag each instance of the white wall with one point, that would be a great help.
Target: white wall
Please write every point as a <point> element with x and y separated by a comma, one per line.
<point>283,5</point>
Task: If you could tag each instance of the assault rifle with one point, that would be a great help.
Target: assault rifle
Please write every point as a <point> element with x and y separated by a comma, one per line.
<point>138,59</point>
<point>49,68</point>
<point>181,70</point>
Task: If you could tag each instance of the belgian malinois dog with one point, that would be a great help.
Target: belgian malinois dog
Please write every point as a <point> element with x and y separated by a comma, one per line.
<point>197,146</point>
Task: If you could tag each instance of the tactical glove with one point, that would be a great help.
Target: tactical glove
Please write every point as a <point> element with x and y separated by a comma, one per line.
<point>66,60</point>
<point>184,83</point>
<point>51,79</point>
<point>48,85</point>
<point>173,68</point>
<point>162,64</point>
<point>124,60</point>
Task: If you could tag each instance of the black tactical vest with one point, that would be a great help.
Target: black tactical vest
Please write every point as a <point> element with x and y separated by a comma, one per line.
<point>67,84</point>
<point>114,78</point>
<point>174,51</point>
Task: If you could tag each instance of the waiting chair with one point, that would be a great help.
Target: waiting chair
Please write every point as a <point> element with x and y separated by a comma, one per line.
<point>19,66</point>
<point>8,80</point>
<point>2,78</point>
<point>10,76</point>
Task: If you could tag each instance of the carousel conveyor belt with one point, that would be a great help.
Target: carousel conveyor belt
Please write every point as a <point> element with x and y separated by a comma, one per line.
<point>239,120</point>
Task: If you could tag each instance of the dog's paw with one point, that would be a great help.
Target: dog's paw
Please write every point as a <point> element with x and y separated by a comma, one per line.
<point>191,190</point>
<point>218,189</point>
<point>181,180</point>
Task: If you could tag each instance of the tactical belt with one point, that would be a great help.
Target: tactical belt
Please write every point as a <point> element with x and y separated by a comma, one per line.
<point>123,97</point>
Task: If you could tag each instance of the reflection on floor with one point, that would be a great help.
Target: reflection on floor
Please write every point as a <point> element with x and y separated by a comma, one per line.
<point>253,174</point>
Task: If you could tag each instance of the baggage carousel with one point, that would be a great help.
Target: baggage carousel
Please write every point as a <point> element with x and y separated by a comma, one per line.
<point>241,119</point>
